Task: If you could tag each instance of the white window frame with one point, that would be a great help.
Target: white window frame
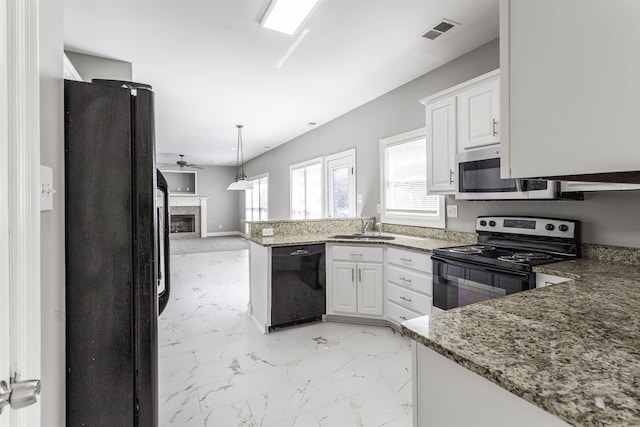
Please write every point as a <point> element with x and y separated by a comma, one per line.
<point>252,181</point>
<point>305,164</point>
<point>347,157</point>
<point>426,220</point>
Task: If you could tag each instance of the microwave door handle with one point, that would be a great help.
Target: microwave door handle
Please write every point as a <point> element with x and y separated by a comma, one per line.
<point>163,299</point>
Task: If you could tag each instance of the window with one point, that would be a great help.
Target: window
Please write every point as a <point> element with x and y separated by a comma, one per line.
<point>257,199</point>
<point>341,184</point>
<point>403,174</point>
<point>306,189</point>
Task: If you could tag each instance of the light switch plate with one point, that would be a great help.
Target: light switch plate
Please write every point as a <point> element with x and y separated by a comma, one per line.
<point>452,211</point>
<point>267,232</point>
<point>46,189</point>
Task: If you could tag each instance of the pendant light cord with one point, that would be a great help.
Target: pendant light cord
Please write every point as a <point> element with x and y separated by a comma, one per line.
<point>240,156</point>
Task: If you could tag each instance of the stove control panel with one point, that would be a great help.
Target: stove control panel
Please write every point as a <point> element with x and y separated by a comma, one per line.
<point>549,227</point>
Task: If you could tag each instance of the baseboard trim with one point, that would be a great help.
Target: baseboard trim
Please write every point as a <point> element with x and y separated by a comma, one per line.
<point>224,233</point>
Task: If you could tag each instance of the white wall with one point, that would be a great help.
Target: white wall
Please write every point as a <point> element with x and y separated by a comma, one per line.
<point>52,223</point>
<point>611,218</point>
<point>95,67</point>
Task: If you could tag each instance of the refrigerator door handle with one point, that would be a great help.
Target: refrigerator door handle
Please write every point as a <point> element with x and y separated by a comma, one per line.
<point>163,298</point>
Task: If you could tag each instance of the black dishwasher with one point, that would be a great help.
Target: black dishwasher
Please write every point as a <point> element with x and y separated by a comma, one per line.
<point>298,285</point>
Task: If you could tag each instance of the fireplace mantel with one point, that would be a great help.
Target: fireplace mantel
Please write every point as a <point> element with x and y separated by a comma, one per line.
<point>193,201</point>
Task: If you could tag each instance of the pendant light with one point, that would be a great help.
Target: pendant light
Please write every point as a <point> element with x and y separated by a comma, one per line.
<point>240,182</point>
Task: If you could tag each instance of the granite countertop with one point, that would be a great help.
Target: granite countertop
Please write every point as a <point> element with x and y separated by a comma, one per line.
<point>572,349</point>
<point>423,244</point>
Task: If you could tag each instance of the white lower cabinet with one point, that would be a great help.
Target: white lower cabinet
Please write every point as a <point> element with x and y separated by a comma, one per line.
<point>356,286</point>
<point>448,394</point>
<point>409,285</point>
<point>359,285</point>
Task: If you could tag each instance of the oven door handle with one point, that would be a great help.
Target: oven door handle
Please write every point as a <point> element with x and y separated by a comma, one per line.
<point>478,266</point>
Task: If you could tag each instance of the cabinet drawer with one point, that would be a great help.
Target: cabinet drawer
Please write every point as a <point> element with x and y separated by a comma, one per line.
<point>357,253</point>
<point>410,299</point>
<point>397,314</point>
<point>421,282</point>
<point>410,259</point>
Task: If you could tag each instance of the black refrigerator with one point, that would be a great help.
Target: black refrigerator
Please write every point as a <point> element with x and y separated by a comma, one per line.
<point>117,254</point>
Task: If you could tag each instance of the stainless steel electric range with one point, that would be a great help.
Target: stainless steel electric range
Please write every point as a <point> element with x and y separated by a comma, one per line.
<point>502,260</point>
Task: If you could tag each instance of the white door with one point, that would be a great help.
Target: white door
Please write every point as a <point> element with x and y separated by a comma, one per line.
<point>343,287</point>
<point>478,116</point>
<point>441,146</point>
<point>19,203</point>
<point>5,348</point>
<point>370,292</point>
<point>341,185</point>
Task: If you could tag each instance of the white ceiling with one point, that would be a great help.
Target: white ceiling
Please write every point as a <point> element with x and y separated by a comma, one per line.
<point>212,66</point>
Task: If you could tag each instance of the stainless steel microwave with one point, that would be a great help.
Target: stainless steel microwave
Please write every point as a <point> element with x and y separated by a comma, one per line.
<point>478,178</point>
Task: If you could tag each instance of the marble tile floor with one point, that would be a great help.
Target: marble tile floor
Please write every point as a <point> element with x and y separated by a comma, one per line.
<point>218,369</point>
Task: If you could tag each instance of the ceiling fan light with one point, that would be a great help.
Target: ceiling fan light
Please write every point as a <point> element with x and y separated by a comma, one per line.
<point>286,16</point>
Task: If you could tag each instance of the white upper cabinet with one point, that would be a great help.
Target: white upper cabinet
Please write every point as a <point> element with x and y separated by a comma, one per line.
<point>479,115</point>
<point>441,146</point>
<point>460,118</point>
<point>570,87</point>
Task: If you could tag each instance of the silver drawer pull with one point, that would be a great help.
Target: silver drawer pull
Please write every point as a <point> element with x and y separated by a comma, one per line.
<point>355,254</point>
<point>403,318</point>
<point>405,299</point>
<point>405,259</point>
<point>405,280</point>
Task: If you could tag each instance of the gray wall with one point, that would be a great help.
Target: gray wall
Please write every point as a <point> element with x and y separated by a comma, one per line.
<point>611,218</point>
<point>222,206</point>
<point>52,223</point>
<point>95,67</point>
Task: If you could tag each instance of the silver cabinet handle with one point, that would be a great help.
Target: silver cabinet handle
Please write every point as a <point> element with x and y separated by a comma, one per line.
<point>450,176</point>
<point>360,275</point>
<point>355,254</point>
<point>405,259</point>
<point>405,280</point>
<point>20,395</point>
<point>405,299</point>
<point>403,318</point>
<point>352,276</point>
<point>495,130</point>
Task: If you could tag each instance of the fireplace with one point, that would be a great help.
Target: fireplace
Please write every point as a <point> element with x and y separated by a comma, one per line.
<point>183,223</point>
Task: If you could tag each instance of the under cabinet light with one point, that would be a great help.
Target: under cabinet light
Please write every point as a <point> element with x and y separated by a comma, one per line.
<point>286,16</point>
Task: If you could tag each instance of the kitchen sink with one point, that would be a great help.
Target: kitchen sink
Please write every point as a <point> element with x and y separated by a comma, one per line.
<point>360,236</point>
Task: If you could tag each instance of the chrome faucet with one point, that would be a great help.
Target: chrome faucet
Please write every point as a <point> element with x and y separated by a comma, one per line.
<point>365,225</point>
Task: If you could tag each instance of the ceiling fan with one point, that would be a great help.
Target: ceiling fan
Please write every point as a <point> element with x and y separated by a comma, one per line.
<point>184,164</point>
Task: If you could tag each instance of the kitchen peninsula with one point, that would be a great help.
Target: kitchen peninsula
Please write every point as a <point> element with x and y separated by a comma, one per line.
<point>570,349</point>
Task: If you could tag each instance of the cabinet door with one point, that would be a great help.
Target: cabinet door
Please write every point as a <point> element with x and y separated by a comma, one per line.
<point>370,291</point>
<point>343,287</point>
<point>478,115</point>
<point>563,102</point>
<point>441,146</point>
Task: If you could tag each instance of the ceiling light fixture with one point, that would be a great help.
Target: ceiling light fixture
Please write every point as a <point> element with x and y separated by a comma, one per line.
<point>240,182</point>
<point>286,16</point>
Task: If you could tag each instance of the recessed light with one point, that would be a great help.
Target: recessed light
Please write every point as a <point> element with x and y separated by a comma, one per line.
<point>286,16</point>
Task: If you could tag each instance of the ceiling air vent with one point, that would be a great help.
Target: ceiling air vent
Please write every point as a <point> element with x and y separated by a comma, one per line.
<point>439,29</point>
